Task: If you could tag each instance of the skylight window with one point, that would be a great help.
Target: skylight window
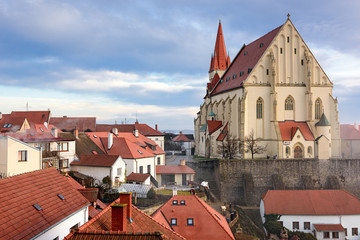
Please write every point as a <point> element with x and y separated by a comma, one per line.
<point>140,152</point>
<point>261,44</point>
<point>174,221</point>
<point>234,76</point>
<point>190,222</point>
<point>245,53</point>
<point>9,125</point>
<point>182,202</point>
<point>61,196</point>
<point>175,202</point>
<point>41,129</point>
<point>5,126</point>
<point>249,70</point>
<point>241,73</point>
<point>95,136</point>
<point>37,207</point>
<point>228,78</point>
<point>221,80</point>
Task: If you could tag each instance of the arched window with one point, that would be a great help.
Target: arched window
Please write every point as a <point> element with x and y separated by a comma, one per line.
<point>309,150</point>
<point>259,108</point>
<point>289,103</point>
<point>318,108</point>
<point>287,150</point>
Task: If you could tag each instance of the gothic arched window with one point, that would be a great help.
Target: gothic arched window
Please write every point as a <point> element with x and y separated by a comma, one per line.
<point>259,108</point>
<point>318,108</point>
<point>289,103</point>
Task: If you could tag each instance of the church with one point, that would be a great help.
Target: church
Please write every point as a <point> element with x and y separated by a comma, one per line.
<point>274,91</point>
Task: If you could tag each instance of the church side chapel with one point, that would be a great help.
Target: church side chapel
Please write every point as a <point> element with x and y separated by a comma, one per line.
<point>274,90</point>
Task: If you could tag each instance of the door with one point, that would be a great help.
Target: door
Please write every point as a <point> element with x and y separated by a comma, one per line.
<point>184,179</point>
<point>298,152</point>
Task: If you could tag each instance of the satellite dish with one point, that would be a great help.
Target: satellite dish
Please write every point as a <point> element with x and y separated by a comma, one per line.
<point>46,125</point>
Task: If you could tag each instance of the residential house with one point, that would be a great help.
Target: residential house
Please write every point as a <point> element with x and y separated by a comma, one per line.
<point>329,231</point>
<point>142,128</point>
<point>184,142</point>
<point>138,152</point>
<point>192,218</point>
<point>174,174</point>
<point>101,166</point>
<point>122,217</point>
<point>40,205</point>
<point>69,124</point>
<point>274,90</point>
<point>17,157</point>
<point>139,178</point>
<point>350,140</point>
<point>315,211</point>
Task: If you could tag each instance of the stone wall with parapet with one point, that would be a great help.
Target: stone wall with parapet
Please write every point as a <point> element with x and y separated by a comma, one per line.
<point>244,181</point>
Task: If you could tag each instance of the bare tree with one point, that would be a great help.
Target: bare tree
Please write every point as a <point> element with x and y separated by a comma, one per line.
<point>230,147</point>
<point>252,145</point>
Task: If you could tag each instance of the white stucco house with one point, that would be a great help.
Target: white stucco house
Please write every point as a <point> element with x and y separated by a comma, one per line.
<point>327,213</point>
<point>100,166</point>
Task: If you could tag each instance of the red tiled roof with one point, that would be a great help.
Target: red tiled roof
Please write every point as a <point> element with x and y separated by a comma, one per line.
<point>208,223</point>
<point>242,62</point>
<point>137,177</point>
<point>114,235</point>
<point>17,118</point>
<point>126,145</point>
<point>174,169</point>
<point>141,223</point>
<point>329,227</point>
<point>70,123</point>
<point>101,204</point>
<point>289,128</point>
<point>93,211</point>
<point>91,194</point>
<point>18,217</point>
<point>349,132</point>
<point>146,130</point>
<point>100,160</point>
<point>143,128</point>
<point>223,133</point>
<point>213,82</point>
<point>213,125</point>
<point>34,137</point>
<point>181,138</point>
<point>220,59</point>
<point>313,202</point>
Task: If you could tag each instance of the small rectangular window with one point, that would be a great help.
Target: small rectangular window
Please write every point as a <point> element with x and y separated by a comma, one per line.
<point>119,171</point>
<point>158,161</point>
<point>249,70</point>
<point>261,44</point>
<point>149,169</point>
<point>63,163</point>
<point>306,225</point>
<point>141,169</point>
<point>22,156</point>
<point>267,71</point>
<point>227,78</point>
<point>302,62</point>
<point>234,76</point>
<point>335,235</point>
<point>280,50</point>
<point>326,235</point>
<point>241,73</point>
<point>182,202</point>
<point>345,231</point>
<point>295,225</point>
<point>175,202</point>
<point>294,50</point>
<point>174,221</point>
<point>288,39</point>
<point>190,222</point>
<point>354,231</point>
<point>245,53</point>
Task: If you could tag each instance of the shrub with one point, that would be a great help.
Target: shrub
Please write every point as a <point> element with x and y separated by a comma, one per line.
<point>301,235</point>
<point>151,194</point>
<point>273,227</point>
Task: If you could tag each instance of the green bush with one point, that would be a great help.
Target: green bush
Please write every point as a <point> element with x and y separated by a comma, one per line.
<point>107,180</point>
<point>273,227</point>
<point>301,235</point>
<point>151,194</point>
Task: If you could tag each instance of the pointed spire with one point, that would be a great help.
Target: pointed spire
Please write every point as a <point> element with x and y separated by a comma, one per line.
<point>323,121</point>
<point>221,59</point>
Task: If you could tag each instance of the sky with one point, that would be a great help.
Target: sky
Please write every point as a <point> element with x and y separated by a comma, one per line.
<point>149,60</point>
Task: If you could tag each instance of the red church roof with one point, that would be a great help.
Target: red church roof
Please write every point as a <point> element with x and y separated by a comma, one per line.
<point>19,219</point>
<point>289,128</point>
<point>213,126</point>
<point>220,59</point>
<point>223,133</point>
<point>245,61</point>
<point>207,223</point>
<point>313,202</point>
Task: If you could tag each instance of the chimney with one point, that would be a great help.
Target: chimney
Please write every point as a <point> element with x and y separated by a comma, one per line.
<point>156,127</point>
<point>76,133</point>
<point>118,217</point>
<point>115,131</point>
<point>136,133</point>
<point>182,162</point>
<point>356,126</point>
<point>180,133</point>
<point>125,198</point>
<point>110,140</point>
<point>54,132</point>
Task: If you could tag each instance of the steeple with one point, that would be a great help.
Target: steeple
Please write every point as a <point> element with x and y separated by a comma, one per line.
<point>219,60</point>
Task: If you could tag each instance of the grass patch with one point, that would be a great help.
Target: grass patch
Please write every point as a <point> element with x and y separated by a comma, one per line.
<point>199,158</point>
<point>170,192</point>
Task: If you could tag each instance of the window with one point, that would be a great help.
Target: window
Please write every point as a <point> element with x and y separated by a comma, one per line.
<point>267,71</point>
<point>234,76</point>
<point>45,147</point>
<point>287,150</point>
<point>76,226</point>
<point>309,150</point>
<point>228,78</point>
<point>302,61</point>
<point>289,103</point>
<point>158,161</point>
<point>241,73</point>
<point>318,107</point>
<point>141,169</point>
<point>261,44</point>
<point>175,202</point>
<point>335,235</point>
<point>345,231</point>
<point>63,163</point>
<point>306,225</point>
<point>354,231</point>
<point>295,225</point>
<point>280,50</point>
<point>249,70</point>
<point>259,108</point>
<point>148,169</point>
<point>190,222</point>
<point>245,53</point>
<point>294,50</point>
<point>288,39</point>
<point>326,235</point>
<point>61,196</point>
<point>182,202</point>
<point>119,171</point>
<point>174,221</point>
<point>63,147</point>
<point>22,156</point>
<point>37,207</point>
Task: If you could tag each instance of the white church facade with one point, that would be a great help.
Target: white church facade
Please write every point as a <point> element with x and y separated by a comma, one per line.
<point>274,88</point>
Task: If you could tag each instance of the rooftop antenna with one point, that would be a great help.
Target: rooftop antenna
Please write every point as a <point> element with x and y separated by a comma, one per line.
<point>115,122</point>
<point>27,106</point>
<point>136,117</point>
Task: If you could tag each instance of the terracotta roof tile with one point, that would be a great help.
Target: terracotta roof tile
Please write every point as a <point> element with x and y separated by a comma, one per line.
<point>138,177</point>
<point>114,235</point>
<point>70,123</point>
<point>208,223</point>
<point>349,132</point>
<point>223,133</point>
<point>143,128</point>
<point>289,128</point>
<point>73,182</point>
<point>173,169</point>
<point>220,59</point>
<point>213,126</point>
<point>181,138</point>
<point>91,194</point>
<point>93,211</point>
<point>329,227</point>
<point>313,202</point>
<point>243,62</point>
<point>96,160</point>
<point>19,219</point>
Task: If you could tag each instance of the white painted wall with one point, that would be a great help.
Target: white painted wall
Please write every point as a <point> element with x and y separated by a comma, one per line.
<point>62,229</point>
<point>133,165</point>
<point>159,140</point>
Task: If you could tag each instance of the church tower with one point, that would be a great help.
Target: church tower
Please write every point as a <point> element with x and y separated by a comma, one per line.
<point>220,61</point>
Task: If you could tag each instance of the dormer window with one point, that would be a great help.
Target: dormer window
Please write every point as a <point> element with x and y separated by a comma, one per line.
<point>228,78</point>
<point>182,202</point>
<point>245,53</point>
<point>241,73</point>
<point>234,76</point>
<point>5,126</point>
<point>261,44</point>
<point>249,70</point>
<point>175,202</point>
